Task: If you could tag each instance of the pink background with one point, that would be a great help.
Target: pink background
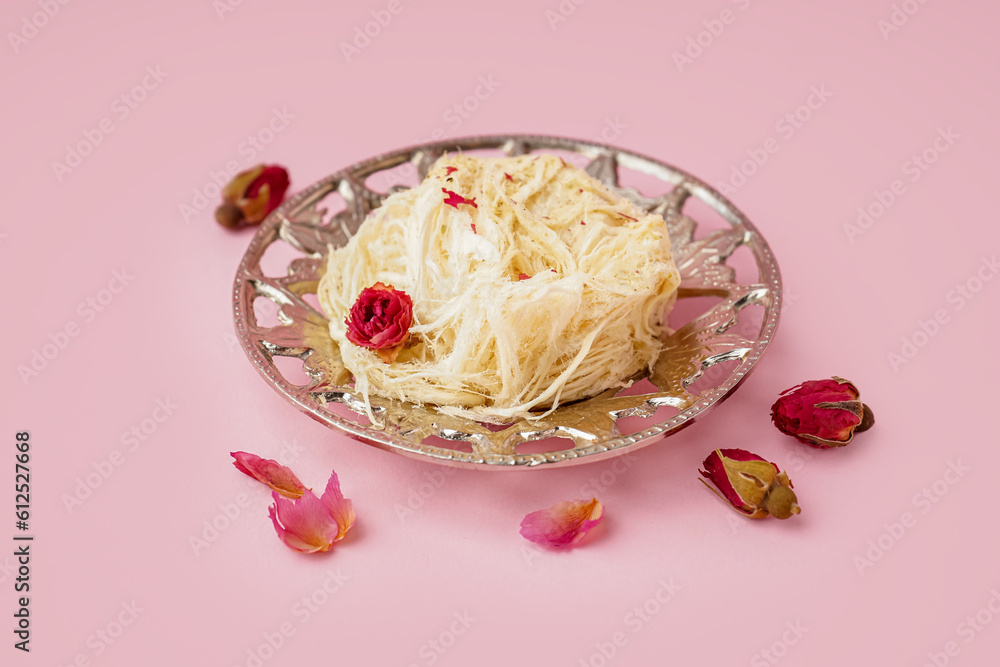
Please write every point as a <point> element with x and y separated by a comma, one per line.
<point>168,336</point>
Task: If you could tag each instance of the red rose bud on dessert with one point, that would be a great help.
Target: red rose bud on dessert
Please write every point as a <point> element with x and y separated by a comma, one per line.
<point>753,486</point>
<point>380,320</point>
<point>252,195</point>
<point>822,413</point>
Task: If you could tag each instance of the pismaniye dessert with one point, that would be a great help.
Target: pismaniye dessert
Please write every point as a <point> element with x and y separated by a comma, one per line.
<point>500,288</point>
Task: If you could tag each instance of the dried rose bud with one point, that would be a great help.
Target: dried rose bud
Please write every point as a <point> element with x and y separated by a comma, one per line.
<point>753,486</point>
<point>822,413</point>
<point>380,320</point>
<point>251,196</point>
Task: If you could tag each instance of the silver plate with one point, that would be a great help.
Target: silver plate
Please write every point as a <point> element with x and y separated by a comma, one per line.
<point>703,361</point>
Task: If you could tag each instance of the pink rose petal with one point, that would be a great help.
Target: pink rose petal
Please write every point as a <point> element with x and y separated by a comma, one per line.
<point>340,508</point>
<point>272,473</point>
<point>312,524</point>
<point>305,524</point>
<point>564,524</point>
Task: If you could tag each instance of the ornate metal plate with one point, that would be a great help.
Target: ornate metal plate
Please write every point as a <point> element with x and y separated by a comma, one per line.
<point>703,361</point>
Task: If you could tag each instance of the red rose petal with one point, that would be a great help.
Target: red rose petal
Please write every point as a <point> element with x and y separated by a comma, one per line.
<point>454,199</point>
